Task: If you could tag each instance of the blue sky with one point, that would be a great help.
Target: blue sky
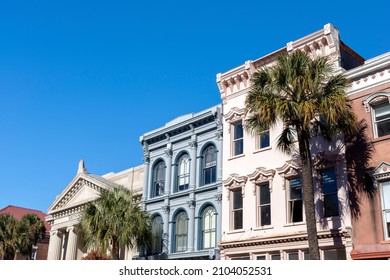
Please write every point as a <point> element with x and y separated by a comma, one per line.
<point>84,79</point>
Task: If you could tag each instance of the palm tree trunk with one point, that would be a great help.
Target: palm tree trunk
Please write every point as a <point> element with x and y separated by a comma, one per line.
<point>308,195</point>
<point>115,249</point>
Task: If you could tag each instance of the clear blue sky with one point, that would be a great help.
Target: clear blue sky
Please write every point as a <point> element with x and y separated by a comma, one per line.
<point>84,79</point>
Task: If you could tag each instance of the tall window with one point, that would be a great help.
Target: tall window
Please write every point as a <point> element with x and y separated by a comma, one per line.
<point>329,191</point>
<point>263,139</point>
<point>181,231</point>
<point>295,203</point>
<point>157,231</point>
<point>386,207</point>
<point>238,139</point>
<point>158,179</point>
<point>237,209</point>
<point>264,205</point>
<point>382,119</point>
<point>183,174</point>
<point>208,228</point>
<point>209,165</point>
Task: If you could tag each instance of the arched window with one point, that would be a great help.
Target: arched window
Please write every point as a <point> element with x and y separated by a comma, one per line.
<point>183,173</point>
<point>181,232</point>
<point>158,179</point>
<point>157,231</point>
<point>209,165</point>
<point>208,228</point>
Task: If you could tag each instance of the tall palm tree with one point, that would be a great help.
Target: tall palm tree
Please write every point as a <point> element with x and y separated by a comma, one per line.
<point>309,99</point>
<point>29,231</point>
<point>7,236</point>
<point>115,220</point>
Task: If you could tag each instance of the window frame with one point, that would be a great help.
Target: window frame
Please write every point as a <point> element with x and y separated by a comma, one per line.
<point>375,107</point>
<point>209,167</point>
<point>236,211</point>
<point>259,141</point>
<point>260,205</point>
<point>385,208</point>
<point>237,140</point>
<point>183,172</point>
<point>329,194</point>
<point>291,201</point>
<point>157,190</point>
<point>181,217</point>
<point>157,239</point>
<point>209,233</point>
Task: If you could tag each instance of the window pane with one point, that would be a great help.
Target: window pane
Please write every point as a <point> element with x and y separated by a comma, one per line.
<point>261,258</point>
<point>386,195</point>
<point>295,189</point>
<point>296,211</point>
<point>237,199</point>
<point>307,256</point>
<point>238,131</point>
<point>265,197</point>
<point>238,147</point>
<point>293,256</point>
<point>265,215</point>
<point>275,257</point>
<point>264,139</point>
<point>329,184</point>
<point>335,254</point>
<point>237,216</point>
<point>331,205</point>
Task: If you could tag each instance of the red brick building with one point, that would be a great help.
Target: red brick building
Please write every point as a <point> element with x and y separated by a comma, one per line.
<point>370,94</point>
<point>41,249</point>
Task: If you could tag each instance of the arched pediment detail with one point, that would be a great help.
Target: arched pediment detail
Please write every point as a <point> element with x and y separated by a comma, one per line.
<point>289,170</point>
<point>261,175</point>
<point>235,182</point>
<point>376,98</point>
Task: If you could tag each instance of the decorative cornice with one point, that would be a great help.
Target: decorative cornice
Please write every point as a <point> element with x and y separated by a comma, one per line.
<point>382,172</point>
<point>191,204</point>
<point>293,238</point>
<point>375,98</point>
<point>166,209</point>
<point>261,175</point>
<point>76,187</point>
<point>235,182</point>
<point>289,170</point>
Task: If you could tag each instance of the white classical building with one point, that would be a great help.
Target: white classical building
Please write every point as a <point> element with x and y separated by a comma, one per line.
<point>64,213</point>
<point>263,212</point>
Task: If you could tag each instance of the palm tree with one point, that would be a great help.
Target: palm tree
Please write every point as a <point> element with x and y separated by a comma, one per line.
<point>7,236</point>
<point>309,99</point>
<point>29,231</point>
<point>113,221</point>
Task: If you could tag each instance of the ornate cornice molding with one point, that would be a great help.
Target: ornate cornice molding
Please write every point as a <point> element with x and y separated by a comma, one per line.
<point>289,170</point>
<point>235,182</point>
<point>382,172</point>
<point>293,238</point>
<point>261,175</point>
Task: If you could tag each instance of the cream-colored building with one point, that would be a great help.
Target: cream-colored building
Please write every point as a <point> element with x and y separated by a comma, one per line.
<point>263,212</point>
<point>64,213</point>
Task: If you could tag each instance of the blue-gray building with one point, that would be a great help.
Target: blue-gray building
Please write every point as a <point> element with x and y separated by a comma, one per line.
<point>182,186</point>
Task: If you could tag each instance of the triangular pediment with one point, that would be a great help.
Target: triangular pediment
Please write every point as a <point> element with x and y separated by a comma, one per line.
<point>81,190</point>
<point>382,171</point>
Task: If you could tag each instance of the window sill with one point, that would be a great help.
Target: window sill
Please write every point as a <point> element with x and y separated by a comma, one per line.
<point>294,224</point>
<point>263,228</point>
<point>235,231</point>
<point>381,138</point>
<point>237,156</point>
<point>262,150</point>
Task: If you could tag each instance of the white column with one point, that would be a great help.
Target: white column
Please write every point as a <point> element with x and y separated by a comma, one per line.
<point>193,151</point>
<point>165,239</point>
<point>146,175</point>
<point>168,173</point>
<point>55,245</point>
<point>191,225</point>
<point>71,248</point>
<point>219,155</point>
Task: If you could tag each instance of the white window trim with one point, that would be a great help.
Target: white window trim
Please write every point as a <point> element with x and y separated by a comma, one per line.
<point>370,103</point>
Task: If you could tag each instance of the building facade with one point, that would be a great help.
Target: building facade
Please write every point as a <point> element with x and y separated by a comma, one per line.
<point>370,95</point>
<point>182,186</point>
<point>64,213</point>
<point>263,211</point>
